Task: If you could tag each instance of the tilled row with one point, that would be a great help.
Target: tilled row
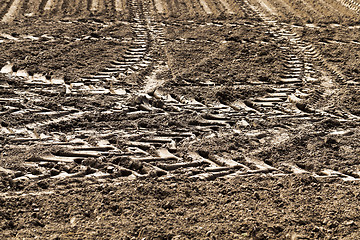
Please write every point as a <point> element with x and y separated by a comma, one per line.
<point>198,7</point>
<point>33,86</point>
<point>302,72</point>
<point>305,12</point>
<point>16,9</point>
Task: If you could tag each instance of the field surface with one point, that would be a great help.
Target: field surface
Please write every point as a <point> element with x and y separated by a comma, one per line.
<point>179,119</point>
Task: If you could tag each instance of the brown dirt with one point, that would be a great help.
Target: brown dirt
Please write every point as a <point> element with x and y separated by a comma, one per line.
<point>297,162</point>
<point>65,48</point>
<point>254,207</point>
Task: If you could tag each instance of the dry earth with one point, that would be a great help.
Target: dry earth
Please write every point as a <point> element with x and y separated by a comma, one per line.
<point>179,119</point>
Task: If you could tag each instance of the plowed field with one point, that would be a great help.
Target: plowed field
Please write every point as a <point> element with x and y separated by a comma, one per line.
<point>179,119</point>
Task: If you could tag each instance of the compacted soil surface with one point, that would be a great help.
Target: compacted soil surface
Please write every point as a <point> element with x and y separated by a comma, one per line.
<point>178,119</point>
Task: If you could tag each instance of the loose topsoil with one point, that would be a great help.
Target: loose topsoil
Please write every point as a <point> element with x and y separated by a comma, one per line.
<point>297,207</point>
<point>212,59</point>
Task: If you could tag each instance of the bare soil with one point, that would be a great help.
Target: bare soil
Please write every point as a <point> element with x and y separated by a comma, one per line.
<point>141,124</point>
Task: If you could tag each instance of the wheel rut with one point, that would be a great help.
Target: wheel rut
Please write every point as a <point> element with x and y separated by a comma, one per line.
<point>147,152</point>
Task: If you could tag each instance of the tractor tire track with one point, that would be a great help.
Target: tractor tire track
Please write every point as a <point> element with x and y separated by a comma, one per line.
<point>134,59</point>
<point>149,152</point>
<point>350,4</point>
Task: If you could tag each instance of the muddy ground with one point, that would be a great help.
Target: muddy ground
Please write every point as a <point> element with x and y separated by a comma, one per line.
<point>296,172</point>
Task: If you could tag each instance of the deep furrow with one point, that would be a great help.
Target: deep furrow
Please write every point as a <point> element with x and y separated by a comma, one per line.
<point>10,12</point>
<point>42,6</point>
<point>205,6</point>
<point>52,8</point>
<point>89,4</point>
<point>4,8</point>
<point>24,7</point>
<point>80,6</point>
<point>110,6</point>
<point>190,7</point>
<point>65,7</point>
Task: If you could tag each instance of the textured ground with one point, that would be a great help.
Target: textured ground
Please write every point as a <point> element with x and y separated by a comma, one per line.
<point>209,119</point>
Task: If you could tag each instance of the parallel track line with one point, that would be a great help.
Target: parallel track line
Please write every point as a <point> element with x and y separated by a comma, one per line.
<point>11,11</point>
<point>205,6</point>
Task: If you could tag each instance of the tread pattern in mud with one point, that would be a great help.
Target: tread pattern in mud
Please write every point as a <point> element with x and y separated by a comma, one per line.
<point>353,5</point>
<point>149,152</point>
